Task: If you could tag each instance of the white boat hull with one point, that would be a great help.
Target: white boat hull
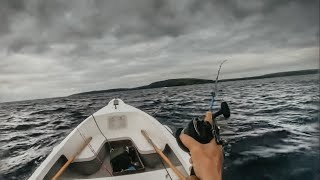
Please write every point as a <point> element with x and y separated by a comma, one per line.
<point>116,122</point>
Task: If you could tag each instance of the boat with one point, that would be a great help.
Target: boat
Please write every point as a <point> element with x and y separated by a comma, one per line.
<point>110,144</point>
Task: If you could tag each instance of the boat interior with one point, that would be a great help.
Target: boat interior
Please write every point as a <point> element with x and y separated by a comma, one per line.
<point>115,158</point>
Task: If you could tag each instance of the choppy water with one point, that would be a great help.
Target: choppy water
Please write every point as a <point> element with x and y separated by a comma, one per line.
<point>273,132</point>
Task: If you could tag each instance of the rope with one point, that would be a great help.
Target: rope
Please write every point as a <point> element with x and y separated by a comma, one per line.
<point>95,153</point>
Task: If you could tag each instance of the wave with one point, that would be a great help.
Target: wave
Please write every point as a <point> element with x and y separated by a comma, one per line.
<point>265,138</point>
<point>62,127</point>
<point>27,126</point>
<point>279,109</point>
<point>37,134</point>
<point>23,127</point>
<point>23,171</point>
<point>271,129</point>
<point>45,112</point>
<point>279,166</point>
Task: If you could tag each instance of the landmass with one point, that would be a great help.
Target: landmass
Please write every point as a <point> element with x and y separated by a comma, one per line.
<point>191,81</point>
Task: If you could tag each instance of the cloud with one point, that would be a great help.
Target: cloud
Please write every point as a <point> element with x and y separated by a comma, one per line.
<point>56,48</point>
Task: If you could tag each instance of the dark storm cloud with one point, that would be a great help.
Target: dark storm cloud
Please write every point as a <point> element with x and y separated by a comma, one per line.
<point>62,21</point>
<point>59,47</point>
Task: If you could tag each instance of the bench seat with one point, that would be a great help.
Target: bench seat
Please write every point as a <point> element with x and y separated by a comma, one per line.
<point>86,154</point>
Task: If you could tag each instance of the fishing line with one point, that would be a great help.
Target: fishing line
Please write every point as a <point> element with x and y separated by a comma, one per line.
<point>110,148</point>
<point>161,161</point>
<point>164,167</point>
<point>215,90</point>
<point>95,153</point>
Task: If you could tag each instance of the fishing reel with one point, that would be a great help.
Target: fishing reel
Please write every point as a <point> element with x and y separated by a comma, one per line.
<point>204,131</point>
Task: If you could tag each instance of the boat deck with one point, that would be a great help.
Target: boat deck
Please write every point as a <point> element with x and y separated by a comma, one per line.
<point>153,164</point>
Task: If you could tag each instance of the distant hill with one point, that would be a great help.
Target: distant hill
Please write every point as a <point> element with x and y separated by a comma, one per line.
<point>165,83</point>
<point>175,82</point>
<point>279,74</point>
<point>191,81</point>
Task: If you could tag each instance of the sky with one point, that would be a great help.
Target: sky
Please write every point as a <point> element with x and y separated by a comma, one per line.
<point>52,48</point>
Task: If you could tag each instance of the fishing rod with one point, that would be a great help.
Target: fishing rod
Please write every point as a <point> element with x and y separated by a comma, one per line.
<point>205,130</point>
<point>215,91</point>
<point>224,109</point>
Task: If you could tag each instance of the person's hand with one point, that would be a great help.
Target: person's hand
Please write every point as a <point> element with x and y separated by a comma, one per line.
<point>206,159</point>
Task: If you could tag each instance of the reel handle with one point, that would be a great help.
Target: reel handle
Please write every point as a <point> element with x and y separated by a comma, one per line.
<point>224,110</point>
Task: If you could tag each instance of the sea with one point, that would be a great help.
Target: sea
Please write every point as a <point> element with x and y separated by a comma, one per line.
<point>272,134</point>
